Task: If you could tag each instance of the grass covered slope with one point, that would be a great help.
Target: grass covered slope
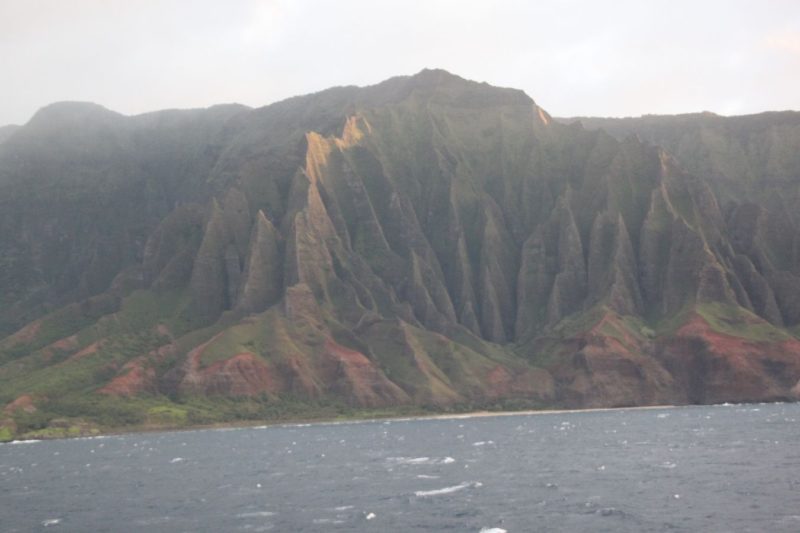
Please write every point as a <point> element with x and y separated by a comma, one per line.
<point>428,243</point>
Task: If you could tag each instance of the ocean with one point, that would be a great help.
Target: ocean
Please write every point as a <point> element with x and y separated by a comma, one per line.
<point>714,469</point>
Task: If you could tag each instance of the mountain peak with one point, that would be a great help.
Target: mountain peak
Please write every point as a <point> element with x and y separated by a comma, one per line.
<point>462,91</point>
<point>72,114</point>
<point>437,75</point>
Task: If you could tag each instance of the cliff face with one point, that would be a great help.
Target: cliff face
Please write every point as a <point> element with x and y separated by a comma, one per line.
<point>427,241</point>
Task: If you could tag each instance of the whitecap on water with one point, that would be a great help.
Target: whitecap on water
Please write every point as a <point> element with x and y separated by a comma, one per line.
<point>176,460</point>
<point>409,460</point>
<point>426,476</point>
<point>92,437</point>
<point>609,511</point>
<point>448,490</point>
<point>492,530</point>
<point>256,514</point>
<point>322,521</point>
<point>416,461</point>
<point>51,522</point>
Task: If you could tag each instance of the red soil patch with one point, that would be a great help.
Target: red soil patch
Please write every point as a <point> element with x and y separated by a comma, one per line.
<point>716,367</point>
<point>353,375</point>
<point>299,377</point>
<point>89,350</point>
<point>244,374</point>
<point>24,403</point>
<point>138,375</point>
<point>26,334</point>
<point>132,380</point>
<point>67,344</point>
<point>614,322</point>
<point>499,379</point>
<point>739,347</point>
<point>598,368</point>
<point>531,382</point>
<point>345,355</point>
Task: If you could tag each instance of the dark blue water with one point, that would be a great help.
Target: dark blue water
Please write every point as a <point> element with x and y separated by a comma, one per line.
<point>726,468</point>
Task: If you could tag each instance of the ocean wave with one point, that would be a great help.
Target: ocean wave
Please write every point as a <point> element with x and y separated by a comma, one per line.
<point>416,461</point>
<point>256,514</point>
<point>448,490</point>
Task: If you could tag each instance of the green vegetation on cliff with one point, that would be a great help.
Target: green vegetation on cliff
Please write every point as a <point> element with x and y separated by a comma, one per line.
<point>425,243</point>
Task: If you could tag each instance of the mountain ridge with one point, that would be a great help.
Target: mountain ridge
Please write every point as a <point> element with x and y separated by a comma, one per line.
<point>425,242</point>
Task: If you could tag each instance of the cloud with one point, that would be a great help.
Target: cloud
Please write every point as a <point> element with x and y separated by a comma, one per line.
<point>620,57</point>
<point>786,41</point>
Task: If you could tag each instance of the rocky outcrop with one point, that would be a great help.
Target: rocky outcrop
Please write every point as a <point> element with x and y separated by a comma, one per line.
<point>713,367</point>
<point>208,284</point>
<point>569,285</point>
<point>262,278</point>
<point>611,364</point>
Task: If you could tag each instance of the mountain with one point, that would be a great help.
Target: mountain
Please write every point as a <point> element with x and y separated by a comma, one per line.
<point>427,243</point>
<point>6,131</point>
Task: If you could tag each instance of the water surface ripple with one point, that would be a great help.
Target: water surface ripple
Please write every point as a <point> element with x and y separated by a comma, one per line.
<point>724,468</point>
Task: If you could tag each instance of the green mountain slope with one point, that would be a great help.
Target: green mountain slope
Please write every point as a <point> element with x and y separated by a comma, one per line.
<point>425,243</point>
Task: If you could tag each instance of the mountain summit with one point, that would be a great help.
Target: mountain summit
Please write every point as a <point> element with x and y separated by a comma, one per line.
<point>427,242</point>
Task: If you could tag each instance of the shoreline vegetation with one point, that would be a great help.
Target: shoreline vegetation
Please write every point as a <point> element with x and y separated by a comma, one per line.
<point>366,416</point>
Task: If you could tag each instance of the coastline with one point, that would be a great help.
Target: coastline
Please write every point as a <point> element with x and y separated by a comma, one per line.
<point>245,424</point>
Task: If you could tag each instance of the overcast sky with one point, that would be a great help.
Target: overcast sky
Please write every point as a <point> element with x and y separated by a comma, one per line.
<point>593,57</point>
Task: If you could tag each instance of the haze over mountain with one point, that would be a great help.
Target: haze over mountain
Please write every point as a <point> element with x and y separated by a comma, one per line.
<point>427,242</point>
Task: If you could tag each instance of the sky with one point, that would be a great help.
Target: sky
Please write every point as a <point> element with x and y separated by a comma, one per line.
<point>573,57</point>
